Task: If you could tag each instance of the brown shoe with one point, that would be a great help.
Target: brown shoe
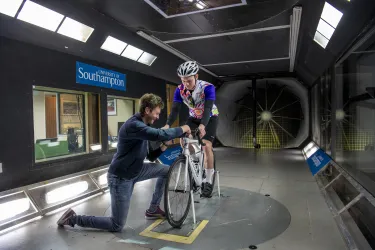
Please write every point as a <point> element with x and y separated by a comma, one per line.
<point>64,220</point>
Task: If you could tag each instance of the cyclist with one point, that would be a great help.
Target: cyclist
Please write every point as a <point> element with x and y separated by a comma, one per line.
<point>200,97</point>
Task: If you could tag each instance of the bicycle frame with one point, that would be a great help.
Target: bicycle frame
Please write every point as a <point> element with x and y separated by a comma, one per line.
<point>196,171</point>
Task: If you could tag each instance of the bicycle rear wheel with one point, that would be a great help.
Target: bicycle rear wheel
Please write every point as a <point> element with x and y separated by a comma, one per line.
<point>177,199</point>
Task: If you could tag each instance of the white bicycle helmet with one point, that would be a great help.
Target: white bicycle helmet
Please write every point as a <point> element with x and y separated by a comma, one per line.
<point>189,68</point>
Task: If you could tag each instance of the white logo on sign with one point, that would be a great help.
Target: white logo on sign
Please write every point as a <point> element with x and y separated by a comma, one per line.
<point>102,76</point>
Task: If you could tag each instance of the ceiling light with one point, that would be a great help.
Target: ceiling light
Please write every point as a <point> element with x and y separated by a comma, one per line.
<point>199,6</point>
<point>10,7</point>
<point>191,1</point>
<point>40,16</point>
<point>325,29</point>
<point>113,45</point>
<point>12,208</point>
<point>147,59</point>
<point>294,31</point>
<point>75,30</point>
<point>321,40</point>
<point>331,15</point>
<point>132,52</point>
<point>66,192</point>
<point>202,3</point>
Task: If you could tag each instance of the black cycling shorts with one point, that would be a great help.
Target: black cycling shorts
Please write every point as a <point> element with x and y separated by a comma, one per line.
<point>210,128</point>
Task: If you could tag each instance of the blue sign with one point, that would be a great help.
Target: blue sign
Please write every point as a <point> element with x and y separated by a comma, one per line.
<point>170,155</point>
<point>99,77</point>
<point>317,161</point>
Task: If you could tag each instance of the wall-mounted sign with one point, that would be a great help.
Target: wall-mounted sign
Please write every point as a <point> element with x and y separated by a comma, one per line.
<point>170,155</point>
<point>99,77</point>
<point>317,161</point>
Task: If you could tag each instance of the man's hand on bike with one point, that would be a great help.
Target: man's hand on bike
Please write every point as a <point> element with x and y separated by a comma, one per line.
<point>186,129</point>
<point>202,130</point>
<point>168,143</point>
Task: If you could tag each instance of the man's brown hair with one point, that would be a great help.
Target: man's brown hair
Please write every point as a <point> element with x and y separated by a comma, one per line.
<point>150,101</point>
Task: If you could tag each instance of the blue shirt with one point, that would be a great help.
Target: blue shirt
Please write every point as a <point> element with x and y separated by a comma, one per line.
<point>132,147</point>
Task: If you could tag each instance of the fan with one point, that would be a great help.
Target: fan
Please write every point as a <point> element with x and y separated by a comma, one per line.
<point>279,115</point>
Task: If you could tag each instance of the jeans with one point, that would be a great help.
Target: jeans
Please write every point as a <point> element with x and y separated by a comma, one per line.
<point>121,191</point>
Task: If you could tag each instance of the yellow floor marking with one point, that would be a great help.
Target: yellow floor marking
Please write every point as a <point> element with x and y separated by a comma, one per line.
<point>171,237</point>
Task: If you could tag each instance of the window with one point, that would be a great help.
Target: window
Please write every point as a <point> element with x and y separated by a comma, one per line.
<point>355,113</point>
<point>119,110</point>
<point>65,124</point>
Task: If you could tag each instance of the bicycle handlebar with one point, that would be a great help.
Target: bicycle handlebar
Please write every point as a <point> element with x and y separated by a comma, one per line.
<point>196,132</point>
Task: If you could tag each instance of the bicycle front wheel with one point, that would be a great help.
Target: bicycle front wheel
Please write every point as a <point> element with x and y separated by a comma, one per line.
<point>177,197</point>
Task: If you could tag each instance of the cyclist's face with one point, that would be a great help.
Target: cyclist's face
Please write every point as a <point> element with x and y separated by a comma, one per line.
<point>152,115</point>
<point>189,81</point>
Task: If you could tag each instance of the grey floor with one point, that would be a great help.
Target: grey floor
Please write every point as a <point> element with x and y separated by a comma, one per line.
<point>283,175</point>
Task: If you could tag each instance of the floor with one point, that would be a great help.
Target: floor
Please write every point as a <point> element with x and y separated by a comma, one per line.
<point>283,175</point>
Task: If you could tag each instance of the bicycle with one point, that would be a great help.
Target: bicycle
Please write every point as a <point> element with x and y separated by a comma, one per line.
<point>185,177</point>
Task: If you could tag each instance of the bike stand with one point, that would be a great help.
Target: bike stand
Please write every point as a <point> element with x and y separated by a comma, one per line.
<point>193,206</point>
<point>192,196</point>
<point>218,182</point>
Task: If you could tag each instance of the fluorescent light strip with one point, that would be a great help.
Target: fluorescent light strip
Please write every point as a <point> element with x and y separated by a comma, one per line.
<point>330,18</point>
<point>171,50</point>
<point>132,53</point>
<point>239,32</point>
<point>10,7</point>
<point>325,29</point>
<point>320,39</point>
<point>114,45</point>
<point>147,59</point>
<point>199,6</point>
<point>96,147</point>
<point>66,192</point>
<point>251,61</point>
<point>331,15</point>
<point>150,2</point>
<point>103,179</point>
<point>13,208</point>
<point>76,30</point>
<point>294,31</point>
<point>40,16</point>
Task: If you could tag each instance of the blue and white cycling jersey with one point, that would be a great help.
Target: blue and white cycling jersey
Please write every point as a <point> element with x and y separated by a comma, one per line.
<point>195,100</point>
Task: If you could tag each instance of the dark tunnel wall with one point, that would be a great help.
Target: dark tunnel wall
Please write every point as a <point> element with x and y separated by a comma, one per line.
<point>22,66</point>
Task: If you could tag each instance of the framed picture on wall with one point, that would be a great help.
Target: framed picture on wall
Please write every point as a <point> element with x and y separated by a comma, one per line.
<point>112,106</point>
<point>70,108</point>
